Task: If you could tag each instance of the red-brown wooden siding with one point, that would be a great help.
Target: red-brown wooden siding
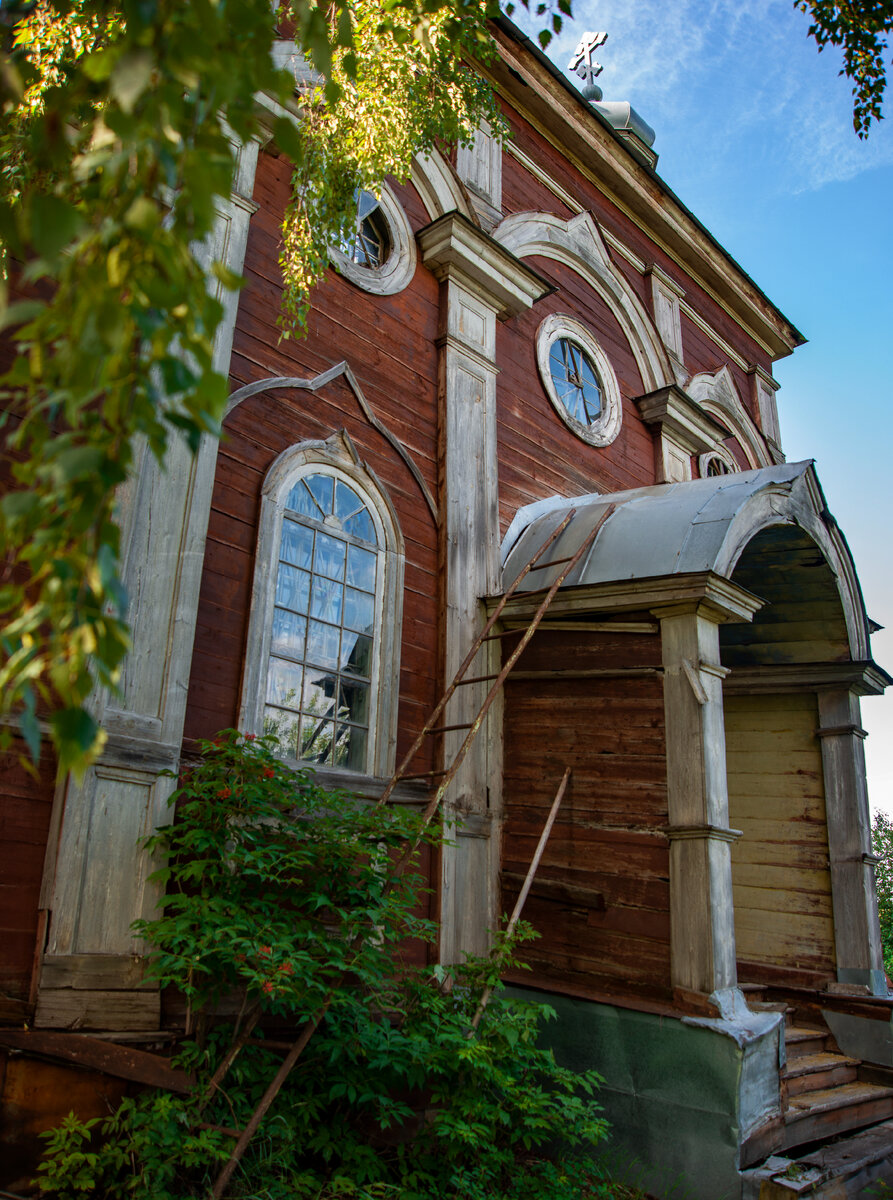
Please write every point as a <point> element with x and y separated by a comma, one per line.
<point>26,804</point>
<point>608,838</point>
<point>390,344</point>
<point>538,455</point>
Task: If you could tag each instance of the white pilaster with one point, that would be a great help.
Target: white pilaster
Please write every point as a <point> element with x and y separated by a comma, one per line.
<point>95,882</point>
<point>702,918</point>
<point>482,282</point>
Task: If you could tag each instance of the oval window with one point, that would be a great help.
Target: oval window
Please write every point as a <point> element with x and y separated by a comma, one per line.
<point>578,379</point>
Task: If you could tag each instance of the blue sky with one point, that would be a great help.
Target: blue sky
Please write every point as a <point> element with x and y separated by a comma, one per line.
<point>754,132</point>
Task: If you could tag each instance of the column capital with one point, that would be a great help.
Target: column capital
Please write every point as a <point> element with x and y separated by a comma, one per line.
<point>454,248</point>
<point>711,596</point>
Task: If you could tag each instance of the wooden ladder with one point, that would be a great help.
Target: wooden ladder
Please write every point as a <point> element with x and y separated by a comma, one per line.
<point>446,776</point>
<point>461,678</point>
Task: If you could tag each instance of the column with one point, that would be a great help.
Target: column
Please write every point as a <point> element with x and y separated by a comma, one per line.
<point>854,898</point>
<point>702,918</point>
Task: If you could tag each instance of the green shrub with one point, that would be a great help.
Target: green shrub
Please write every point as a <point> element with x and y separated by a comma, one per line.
<point>282,897</point>
<point>882,844</point>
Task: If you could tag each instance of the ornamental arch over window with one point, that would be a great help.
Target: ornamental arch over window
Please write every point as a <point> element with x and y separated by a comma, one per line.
<point>379,254</point>
<point>717,462</point>
<point>579,379</point>
<point>322,666</point>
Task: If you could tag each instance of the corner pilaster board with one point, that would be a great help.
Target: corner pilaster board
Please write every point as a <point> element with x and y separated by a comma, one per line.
<point>702,921</point>
<point>96,875</point>
<point>453,248</point>
<point>862,678</point>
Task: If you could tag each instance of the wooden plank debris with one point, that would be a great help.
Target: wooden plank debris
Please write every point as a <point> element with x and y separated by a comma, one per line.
<point>123,1062</point>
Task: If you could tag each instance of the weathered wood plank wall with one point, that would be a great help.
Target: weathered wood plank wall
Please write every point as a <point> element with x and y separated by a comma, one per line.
<point>25,808</point>
<point>601,896</point>
<point>780,875</point>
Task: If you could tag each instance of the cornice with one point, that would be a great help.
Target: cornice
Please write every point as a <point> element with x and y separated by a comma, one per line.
<point>675,413</point>
<point>863,678</point>
<point>664,595</point>
<point>541,95</point>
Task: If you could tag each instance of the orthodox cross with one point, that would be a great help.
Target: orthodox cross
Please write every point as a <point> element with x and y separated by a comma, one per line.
<point>585,66</point>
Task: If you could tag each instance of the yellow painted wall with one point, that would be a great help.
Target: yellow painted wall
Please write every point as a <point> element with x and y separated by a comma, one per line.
<point>780,876</point>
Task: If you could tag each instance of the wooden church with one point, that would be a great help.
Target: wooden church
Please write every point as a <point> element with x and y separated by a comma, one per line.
<point>532,346</point>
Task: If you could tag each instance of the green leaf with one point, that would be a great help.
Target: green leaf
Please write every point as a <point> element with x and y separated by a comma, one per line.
<point>75,733</point>
<point>131,77</point>
<point>16,505</point>
<point>29,725</point>
<point>20,312</point>
<point>143,215</point>
<point>228,278</point>
<point>53,222</point>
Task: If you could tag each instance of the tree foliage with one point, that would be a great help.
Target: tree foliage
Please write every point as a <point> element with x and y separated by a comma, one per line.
<point>861,29</point>
<point>882,844</point>
<point>119,124</point>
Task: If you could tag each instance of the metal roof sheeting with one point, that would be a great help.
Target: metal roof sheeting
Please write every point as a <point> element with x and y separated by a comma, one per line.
<point>671,528</point>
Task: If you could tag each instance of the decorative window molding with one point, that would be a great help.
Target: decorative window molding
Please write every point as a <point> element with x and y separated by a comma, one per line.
<point>562,331</point>
<point>396,271</point>
<point>322,659</point>
<point>718,396</point>
<point>578,243</point>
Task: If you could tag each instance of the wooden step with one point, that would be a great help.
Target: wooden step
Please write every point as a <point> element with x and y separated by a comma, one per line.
<point>842,1170</point>
<point>801,1040</point>
<point>811,1116</point>
<point>818,1072</point>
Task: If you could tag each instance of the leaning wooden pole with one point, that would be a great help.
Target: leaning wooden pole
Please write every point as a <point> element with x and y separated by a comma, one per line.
<point>437,799</point>
<point>528,882</point>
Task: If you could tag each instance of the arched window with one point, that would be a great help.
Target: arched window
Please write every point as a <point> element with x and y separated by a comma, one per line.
<point>717,462</point>
<point>325,615</point>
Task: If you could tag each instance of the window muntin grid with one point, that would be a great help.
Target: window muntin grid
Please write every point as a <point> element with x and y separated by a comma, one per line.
<point>319,679</point>
<point>576,380</point>
<point>369,245</point>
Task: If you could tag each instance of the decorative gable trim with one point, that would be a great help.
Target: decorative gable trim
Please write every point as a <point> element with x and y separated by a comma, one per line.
<point>718,396</point>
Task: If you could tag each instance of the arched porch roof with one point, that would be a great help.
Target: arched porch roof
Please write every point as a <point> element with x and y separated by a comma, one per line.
<point>700,525</point>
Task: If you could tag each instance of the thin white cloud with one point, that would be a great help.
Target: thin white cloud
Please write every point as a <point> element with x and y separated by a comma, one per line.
<point>730,85</point>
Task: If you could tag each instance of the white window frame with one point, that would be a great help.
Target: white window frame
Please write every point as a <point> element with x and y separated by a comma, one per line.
<point>606,427</point>
<point>398,269</point>
<point>337,458</point>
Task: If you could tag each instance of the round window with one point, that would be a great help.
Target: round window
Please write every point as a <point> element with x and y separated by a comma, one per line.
<point>576,380</point>
<point>379,254</point>
<point>579,379</point>
<point>370,243</point>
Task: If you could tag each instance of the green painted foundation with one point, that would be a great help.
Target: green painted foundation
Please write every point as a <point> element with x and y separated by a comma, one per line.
<point>679,1094</point>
